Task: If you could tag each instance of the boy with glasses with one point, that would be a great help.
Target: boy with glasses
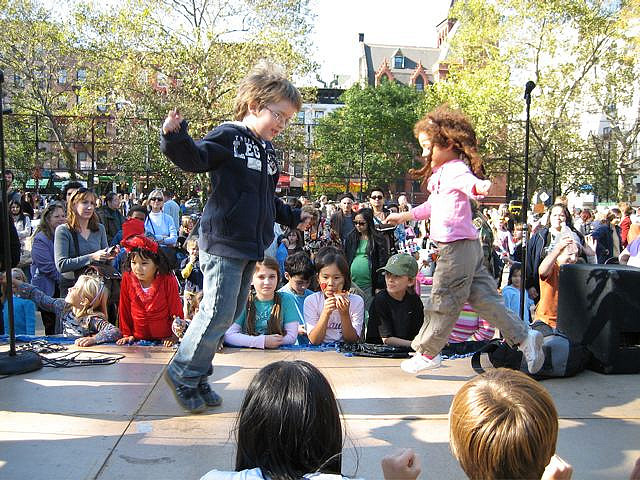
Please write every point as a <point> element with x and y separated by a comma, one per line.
<point>237,222</point>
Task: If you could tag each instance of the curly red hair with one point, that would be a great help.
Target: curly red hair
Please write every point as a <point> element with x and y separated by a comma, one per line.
<point>445,127</point>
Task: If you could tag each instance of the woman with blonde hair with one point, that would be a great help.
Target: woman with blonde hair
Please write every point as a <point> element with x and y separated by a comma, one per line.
<point>81,241</point>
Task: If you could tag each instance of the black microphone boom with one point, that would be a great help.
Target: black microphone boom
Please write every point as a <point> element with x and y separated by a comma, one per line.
<point>525,198</point>
<point>528,88</point>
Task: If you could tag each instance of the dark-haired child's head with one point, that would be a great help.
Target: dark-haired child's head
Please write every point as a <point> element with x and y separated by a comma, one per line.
<point>503,424</point>
<point>146,265</point>
<point>298,270</point>
<point>289,423</point>
<point>334,274</point>
<point>515,275</point>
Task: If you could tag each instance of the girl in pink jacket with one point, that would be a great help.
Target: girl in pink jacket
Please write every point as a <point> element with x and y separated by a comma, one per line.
<point>449,147</point>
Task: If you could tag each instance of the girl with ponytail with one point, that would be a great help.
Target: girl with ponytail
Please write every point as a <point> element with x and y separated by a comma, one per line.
<point>270,319</point>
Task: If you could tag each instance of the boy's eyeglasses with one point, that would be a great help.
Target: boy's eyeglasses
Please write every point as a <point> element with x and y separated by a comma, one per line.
<point>279,117</point>
<point>156,199</point>
<point>376,197</point>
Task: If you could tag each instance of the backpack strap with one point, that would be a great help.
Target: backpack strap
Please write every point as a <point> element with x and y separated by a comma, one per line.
<point>490,347</point>
<point>74,234</point>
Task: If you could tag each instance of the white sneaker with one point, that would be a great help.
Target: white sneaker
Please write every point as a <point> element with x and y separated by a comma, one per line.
<point>531,347</point>
<point>419,362</point>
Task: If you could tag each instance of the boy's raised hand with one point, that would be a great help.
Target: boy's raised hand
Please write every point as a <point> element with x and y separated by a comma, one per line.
<point>172,122</point>
<point>403,465</point>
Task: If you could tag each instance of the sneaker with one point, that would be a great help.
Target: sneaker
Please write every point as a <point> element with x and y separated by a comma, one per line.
<point>187,397</point>
<point>531,348</point>
<point>419,362</point>
<point>211,398</point>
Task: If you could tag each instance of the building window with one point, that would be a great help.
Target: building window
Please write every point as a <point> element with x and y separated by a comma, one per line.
<point>102,105</point>
<point>63,100</point>
<point>62,76</point>
<point>317,115</point>
<point>18,81</point>
<point>83,162</point>
<point>419,83</point>
<point>101,159</point>
<point>398,61</point>
<point>162,80</point>
<point>81,75</point>
<point>300,117</point>
<point>78,99</point>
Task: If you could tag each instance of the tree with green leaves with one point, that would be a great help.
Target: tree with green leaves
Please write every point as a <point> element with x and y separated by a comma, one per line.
<point>567,47</point>
<point>155,55</point>
<point>34,54</point>
<point>371,137</point>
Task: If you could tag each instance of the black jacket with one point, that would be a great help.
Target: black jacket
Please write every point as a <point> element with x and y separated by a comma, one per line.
<point>238,218</point>
<point>112,221</point>
<point>604,237</point>
<point>377,259</point>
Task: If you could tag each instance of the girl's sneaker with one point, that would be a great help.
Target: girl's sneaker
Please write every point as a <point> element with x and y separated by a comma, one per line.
<point>531,348</point>
<point>419,362</point>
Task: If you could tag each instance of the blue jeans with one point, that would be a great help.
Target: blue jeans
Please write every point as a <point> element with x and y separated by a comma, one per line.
<point>225,292</point>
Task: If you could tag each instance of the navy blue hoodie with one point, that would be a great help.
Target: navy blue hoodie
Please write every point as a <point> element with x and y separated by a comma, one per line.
<point>238,218</point>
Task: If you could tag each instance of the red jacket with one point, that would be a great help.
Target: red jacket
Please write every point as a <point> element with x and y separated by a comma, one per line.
<point>625,225</point>
<point>148,315</point>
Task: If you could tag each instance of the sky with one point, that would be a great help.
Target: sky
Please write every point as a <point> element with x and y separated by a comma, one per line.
<point>395,22</point>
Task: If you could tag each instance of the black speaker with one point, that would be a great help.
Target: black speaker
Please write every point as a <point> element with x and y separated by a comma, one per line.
<point>599,307</point>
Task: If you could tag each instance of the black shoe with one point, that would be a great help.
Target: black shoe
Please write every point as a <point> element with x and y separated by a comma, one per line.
<point>211,398</point>
<point>187,397</point>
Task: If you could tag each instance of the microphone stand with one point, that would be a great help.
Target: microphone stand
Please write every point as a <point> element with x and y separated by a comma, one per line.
<point>11,362</point>
<point>525,197</point>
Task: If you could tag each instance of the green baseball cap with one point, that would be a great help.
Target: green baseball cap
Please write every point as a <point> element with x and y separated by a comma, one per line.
<point>401,264</point>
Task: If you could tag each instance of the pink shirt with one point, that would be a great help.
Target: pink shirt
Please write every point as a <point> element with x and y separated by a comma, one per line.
<point>448,206</point>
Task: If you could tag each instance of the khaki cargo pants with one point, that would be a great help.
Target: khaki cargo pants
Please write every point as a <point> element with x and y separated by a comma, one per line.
<point>461,277</point>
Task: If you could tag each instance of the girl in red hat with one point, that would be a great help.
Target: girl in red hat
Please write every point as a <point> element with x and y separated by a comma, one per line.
<point>149,296</point>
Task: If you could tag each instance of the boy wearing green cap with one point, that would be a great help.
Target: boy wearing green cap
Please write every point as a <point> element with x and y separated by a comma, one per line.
<point>397,313</point>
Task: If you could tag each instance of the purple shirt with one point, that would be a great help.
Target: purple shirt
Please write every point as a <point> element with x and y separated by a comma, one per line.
<point>450,185</point>
<point>44,274</point>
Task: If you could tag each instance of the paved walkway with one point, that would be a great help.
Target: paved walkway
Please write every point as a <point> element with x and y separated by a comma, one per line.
<point>120,421</point>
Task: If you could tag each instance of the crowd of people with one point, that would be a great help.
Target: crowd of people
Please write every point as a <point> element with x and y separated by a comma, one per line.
<point>251,270</point>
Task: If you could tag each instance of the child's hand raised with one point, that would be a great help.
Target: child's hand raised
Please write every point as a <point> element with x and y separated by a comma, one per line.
<point>482,187</point>
<point>329,304</point>
<point>403,465</point>
<point>557,469</point>
<point>342,303</point>
<point>172,122</point>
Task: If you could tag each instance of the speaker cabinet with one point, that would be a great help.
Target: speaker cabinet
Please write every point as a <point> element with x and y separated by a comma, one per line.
<point>599,307</point>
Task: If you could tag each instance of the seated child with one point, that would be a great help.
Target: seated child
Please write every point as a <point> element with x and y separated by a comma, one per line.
<point>269,319</point>
<point>511,293</point>
<point>298,270</point>
<point>504,424</point>
<point>24,310</point>
<point>470,327</point>
<point>289,426</point>
<point>82,313</point>
<point>180,325</point>
<point>190,271</point>
<point>149,297</point>
<point>397,313</point>
<point>333,314</point>
<point>564,252</point>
